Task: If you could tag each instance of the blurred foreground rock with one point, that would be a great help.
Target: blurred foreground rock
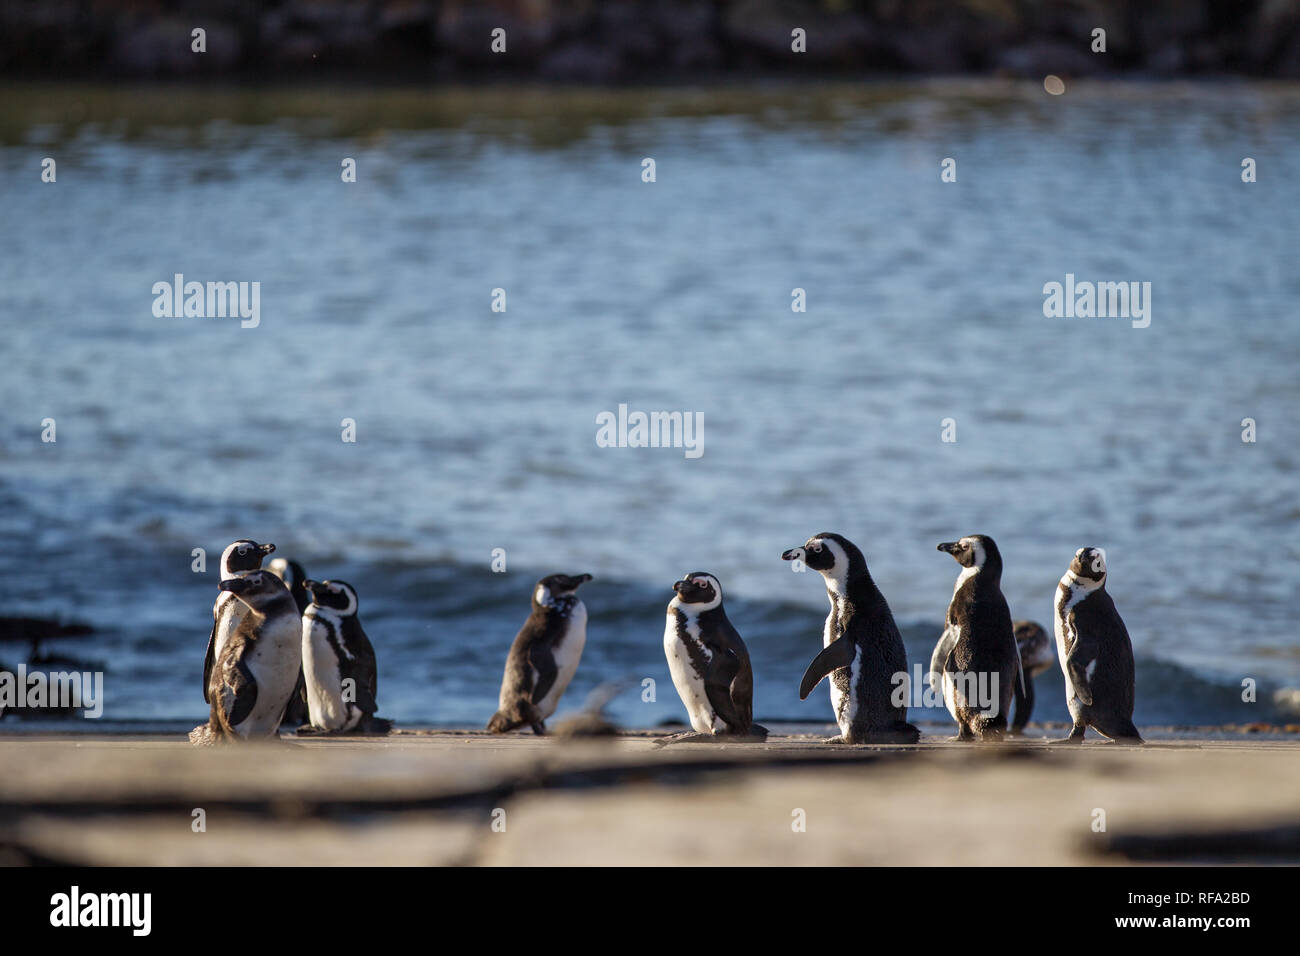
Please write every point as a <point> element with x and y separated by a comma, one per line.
<point>471,799</point>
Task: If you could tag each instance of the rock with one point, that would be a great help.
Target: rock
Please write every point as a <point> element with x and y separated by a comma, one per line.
<point>163,47</point>
<point>1038,58</point>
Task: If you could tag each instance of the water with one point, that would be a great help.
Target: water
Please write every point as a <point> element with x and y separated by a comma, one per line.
<point>476,430</point>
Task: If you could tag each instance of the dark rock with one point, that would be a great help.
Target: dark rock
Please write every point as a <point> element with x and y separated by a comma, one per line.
<point>581,62</point>
<point>1040,57</point>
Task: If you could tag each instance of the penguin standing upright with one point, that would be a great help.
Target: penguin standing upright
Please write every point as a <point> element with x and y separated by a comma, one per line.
<point>1035,648</point>
<point>862,649</point>
<point>257,666</point>
<point>294,576</point>
<point>709,663</point>
<point>239,558</point>
<point>976,662</point>
<point>338,661</point>
<point>544,655</point>
<point>1095,652</point>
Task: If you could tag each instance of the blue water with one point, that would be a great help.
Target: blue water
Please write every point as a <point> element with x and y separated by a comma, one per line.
<point>476,430</point>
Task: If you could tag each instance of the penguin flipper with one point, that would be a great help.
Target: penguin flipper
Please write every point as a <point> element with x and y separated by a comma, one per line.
<point>718,679</point>
<point>836,654</point>
<point>544,662</point>
<point>1079,679</point>
<point>208,659</point>
<point>942,648</point>
<point>238,694</point>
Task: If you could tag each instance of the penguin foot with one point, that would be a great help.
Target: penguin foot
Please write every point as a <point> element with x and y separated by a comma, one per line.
<point>837,739</point>
<point>372,726</point>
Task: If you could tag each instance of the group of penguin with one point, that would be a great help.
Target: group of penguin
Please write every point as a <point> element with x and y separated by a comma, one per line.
<point>862,652</point>
<point>286,649</point>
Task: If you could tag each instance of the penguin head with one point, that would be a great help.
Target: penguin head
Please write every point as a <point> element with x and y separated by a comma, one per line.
<point>1089,563</point>
<point>833,555</point>
<point>290,572</point>
<point>243,555</point>
<point>977,551</point>
<point>338,596</point>
<point>255,588</point>
<point>553,587</point>
<point>698,591</point>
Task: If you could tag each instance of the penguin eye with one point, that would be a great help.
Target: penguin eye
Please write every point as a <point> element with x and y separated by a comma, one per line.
<point>243,550</point>
<point>817,546</point>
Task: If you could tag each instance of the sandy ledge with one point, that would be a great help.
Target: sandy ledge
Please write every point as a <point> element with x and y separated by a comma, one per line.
<point>430,797</point>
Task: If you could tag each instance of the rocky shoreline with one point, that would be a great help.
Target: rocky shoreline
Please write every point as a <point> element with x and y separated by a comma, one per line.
<point>659,41</point>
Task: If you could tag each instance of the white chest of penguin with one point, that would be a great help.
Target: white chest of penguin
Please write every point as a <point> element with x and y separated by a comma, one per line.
<point>272,659</point>
<point>322,670</point>
<point>689,684</point>
<point>567,654</point>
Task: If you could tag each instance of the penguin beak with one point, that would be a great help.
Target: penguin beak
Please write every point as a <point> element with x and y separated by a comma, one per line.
<point>584,578</point>
<point>790,555</point>
<point>234,585</point>
<point>678,585</point>
<point>949,546</point>
<point>266,548</point>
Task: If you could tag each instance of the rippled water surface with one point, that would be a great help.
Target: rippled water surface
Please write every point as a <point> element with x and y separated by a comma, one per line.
<point>476,430</point>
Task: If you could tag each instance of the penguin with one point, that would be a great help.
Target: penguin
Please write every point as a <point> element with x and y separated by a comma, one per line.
<point>257,666</point>
<point>709,663</point>
<point>239,558</point>
<point>1036,655</point>
<point>335,649</point>
<point>1095,652</point>
<point>294,575</point>
<point>862,649</point>
<point>544,655</point>
<point>977,663</point>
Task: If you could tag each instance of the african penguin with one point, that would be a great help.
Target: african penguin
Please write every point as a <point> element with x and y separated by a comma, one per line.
<point>294,575</point>
<point>976,662</point>
<point>239,558</point>
<point>257,666</point>
<point>862,650</point>
<point>544,655</point>
<point>1036,656</point>
<point>1095,652</point>
<point>339,663</point>
<point>709,663</point>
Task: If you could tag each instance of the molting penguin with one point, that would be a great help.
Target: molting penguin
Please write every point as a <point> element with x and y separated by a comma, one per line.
<point>709,663</point>
<point>1035,648</point>
<point>335,650</point>
<point>239,558</point>
<point>544,655</point>
<point>976,662</point>
<point>862,649</point>
<point>294,576</point>
<point>1095,651</point>
<point>257,667</point>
